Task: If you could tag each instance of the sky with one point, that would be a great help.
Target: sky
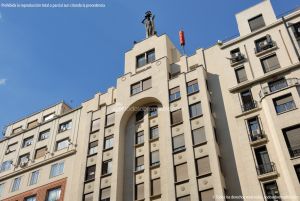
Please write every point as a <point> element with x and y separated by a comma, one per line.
<point>53,54</point>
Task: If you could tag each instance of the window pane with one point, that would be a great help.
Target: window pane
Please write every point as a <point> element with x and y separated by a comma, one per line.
<point>93,148</point>
<point>155,187</point>
<point>88,197</point>
<point>31,198</point>
<point>174,94</point>
<point>176,117</point>
<point>44,135</point>
<point>241,75</point>
<point>105,193</point>
<point>152,111</point>
<point>109,142</point>
<point>54,194</point>
<point>154,133</point>
<point>203,166</point>
<point>150,56</point>
<point>297,170</point>
<point>90,172</point>
<point>139,162</point>
<point>40,152</point>
<point>62,144</point>
<point>284,103</point>
<point>256,23</point>
<point>154,157</point>
<point>27,141</point>
<point>147,84</point>
<point>192,87</point>
<point>270,63</point>
<point>292,138</point>
<point>136,88</point>
<point>65,126</point>
<point>140,60</point>
<point>199,136</point>
<point>16,184</point>
<point>48,117</point>
<point>181,172</point>
<point>110,119</point>
<point>57,169</point>
<point>139,137</point>
<point>34,177</point>
<point>178,142</point>
<point>139,116</point>
<point>195,110</point>
<point>207,195</point>
<point>107,167</point>
<point>6,165</point>
<point>139,191</point>
<point>95,125</point>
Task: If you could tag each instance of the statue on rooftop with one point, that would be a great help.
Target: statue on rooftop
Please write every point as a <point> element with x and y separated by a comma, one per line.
<point>149,24</point>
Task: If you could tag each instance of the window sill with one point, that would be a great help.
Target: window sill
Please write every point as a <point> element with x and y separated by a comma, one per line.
<point>179,151</point>
<point>95,131</point>
<point>110,125</point>
<point>139,145</point>
<point>182,182</point>
<point>176,124</point>
<point>203,175</point>
<point>63,131</point>
<point>155,196</point>
<point>108,149</point>
<point>154,139</point>
<point>88,181</point>
<point>91,155</point>
<point>157,165</point>
<point>192,118</point>
<point>200,144</point>
<point>152,117</point>
<point>192,93</point>
<point>140,91</point>
<point>138,171</point>
<point>106,175</point>
<point>172,101</point>
<point>263,52</point>
<point>287,111</point>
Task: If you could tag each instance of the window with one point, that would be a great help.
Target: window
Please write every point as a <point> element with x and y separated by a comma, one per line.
<point>254,129</point>
<point>88,197</point>
<point>264,43</point>
<point>297,170</point>
<point>17,130</point>
<point>176,117</point>
<point>90,173</point>
<point>292,139</point>
<point>48,117</point>
<point>93,148</point>
<point>95,125</point>
<point>192,87</point>
<point>65,126</point>
<point>105,194</point>
<point>11,148</point>
<point>16,184</point>
<point>207,195</point>
<point>139,137</point>
<point>203,166</point>
<point>174,94</point>
<point>32,124</point>
<point>236,55</point>
<point>270,63</point>
<point>139,191</point>
<point>139,116</point>
<point>44,135</point>
<point>57,169</point>
<point>40,152</point>
<point>185,198</point>
<point>27,141</point>
<point>53,194</point>
<point>139,163</point>
<point>6,165</point>
<point>153,111</point>
<point>107,167</point>
<point>181,172</point>
<point>1,189</point>
<point>240,74</point>
<point>271,191</point>
<point>256,23</point>
<point>284,103</point>
<point>199,136</point>
<point>108,142</point>
<point>141,86</point>
<point>154,158</point>
<point>297,29</point>
<point>247,100</point>
<point>264,164</point>
<point>34,177</point>
<point>155,187</point>
<point>277,85</point>
<point>62,144</point>
<point>145,58</point>
<point>195,110</point>
<point>110,119</point>
<point>154,133</point>
<point>31,198</point>
<point>178,143</point>
<point>23,160</point>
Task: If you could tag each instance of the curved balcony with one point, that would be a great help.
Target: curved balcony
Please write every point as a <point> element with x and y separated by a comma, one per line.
<point>265,91</point>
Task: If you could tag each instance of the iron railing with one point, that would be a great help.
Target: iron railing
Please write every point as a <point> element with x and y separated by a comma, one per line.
<point>256,136</point>
<point>249,106</point>
<point>267,46</point>
<point>265,168</point>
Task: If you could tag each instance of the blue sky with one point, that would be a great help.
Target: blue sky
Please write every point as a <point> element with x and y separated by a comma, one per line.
<point>48,55</point>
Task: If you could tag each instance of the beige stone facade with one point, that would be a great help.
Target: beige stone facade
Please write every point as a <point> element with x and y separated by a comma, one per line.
<point>222,124</point>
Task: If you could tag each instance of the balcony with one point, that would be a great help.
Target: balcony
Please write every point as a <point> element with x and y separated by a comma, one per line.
<point>237,59</point>
<point>249,106</point>
<point>266,171</point>
<point>257,137</point>
<point>280,86</point>
<point>294,151</point>
<point>264,47</point>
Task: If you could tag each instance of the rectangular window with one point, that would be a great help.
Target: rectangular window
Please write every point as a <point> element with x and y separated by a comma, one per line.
<point>146,84</point>
<point>44,135</point>
<point>1,189</point>
<point>207,195</point>
<point>32,124</point>
<point>174,94</point>
<point>195,110</point>
<point>139,116</point>
<point>145,58</point>
<point>31,198</point>
<point>240,74</point>
<point>139,163</point>
<point>199,136</point>
<point>93,148</point>
<point>264,164</point>
<point>192,87</point>
<point>256,23</point>
<point>11,148</point>
<point>17,130</point>
<point>270,63</point>
<point>27,141</point>
<point>139,137</point>
<point>141,86</point>
<point>264,43</point>
<point>34,177</point>
<point>107,167</point>
<point>277,85</point>
<point>16,184</point>
<point>203,166</point>
<point>247,101</point>
<point>105,194</point>
<point>154,133</point>
<point>62,144</point>
<point>176,117</point>
<point>110,119</point>
<point>48,117</point>
<point>296,27</point>
<point>95,125</point>
<point>88,197</point>
<point>57,169</point>
<point>155,187</point>
<point>139,191</point>
<point>40,152</point>
<point>181,172</point>
<point>284,103</point>
<point>136,88</point>
<point>185,198</point>
<point>271,191</point>
<point>6,165</point>
<point>53,194</point>
<point>154,158</point>
<point>178,143</point>
<point>153,111</point>
<point>108,142</point>
<point>292,139</point>
<point>65,126</point>
<point>254,129</point>
<point>236,56</point>
<point>23,160</point>
<point>297,170</point>
<point>90,173</point>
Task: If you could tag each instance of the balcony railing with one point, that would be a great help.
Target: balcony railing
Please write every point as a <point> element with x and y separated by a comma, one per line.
<point>295,151</point>
<point>256,135</point>
<point>266,45</point>
<point>266,168</point>
<point>249,106</point>
<point>237,58</point>
<point>280,85</point>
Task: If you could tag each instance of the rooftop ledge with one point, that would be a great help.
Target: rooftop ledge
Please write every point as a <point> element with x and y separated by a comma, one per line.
<point>266,76</point>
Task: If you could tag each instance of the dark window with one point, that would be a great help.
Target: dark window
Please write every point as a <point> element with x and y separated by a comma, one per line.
<point>292,139</point>
<point>154,132</point>
<point>195,110</point>
<point>44,135</point>
<point>192,87</point>
<point>270,63</point>
<point>154,158</point>
<point>236,55</point>
<point>297,170</point>
<point>203,166</point>
<point>105,194</point>
<point>139,116</point>
<point>174,94</point>
<point>181,172</point>
<point>65,126</point>
<point>264,164</point>
<point>247,100</point>
<point>93,148</point>
<point>176,117</point>
<point>90,173</point>
<point>95,125</point>
<point>277,84</point>
<point>145,58</point>
<point>139,191</point>
<point>108,142</point>
<point>264,43</point>
<point>178,143</point>
<point>240,74</point>
<point>271,191</point>
<point>141,86</point>
<point>155,187</point>
<point>254,129</point>
<point>27,141</point>
<point>110,119</point>
<point>139,137</point>
<point>256,23</point>
<point>198,136</point>
<point>153,111</point>
<point>284,103</point>
<point>41,152</point>
<point>139,163</point>
<point>107,167</point>
<point>297,29</point>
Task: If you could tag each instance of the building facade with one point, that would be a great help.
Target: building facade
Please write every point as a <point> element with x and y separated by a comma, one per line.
<point>222,124</point>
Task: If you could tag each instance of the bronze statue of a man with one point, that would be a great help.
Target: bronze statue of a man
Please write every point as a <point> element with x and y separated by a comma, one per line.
<point>149,24</point>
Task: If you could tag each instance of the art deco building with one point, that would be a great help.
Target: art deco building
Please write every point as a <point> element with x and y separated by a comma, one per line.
<point>222,124</point>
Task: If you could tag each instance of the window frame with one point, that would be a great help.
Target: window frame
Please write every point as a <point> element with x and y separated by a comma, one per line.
<point>255,18</point>
<point>145,57</point>
<point>292,104</point>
